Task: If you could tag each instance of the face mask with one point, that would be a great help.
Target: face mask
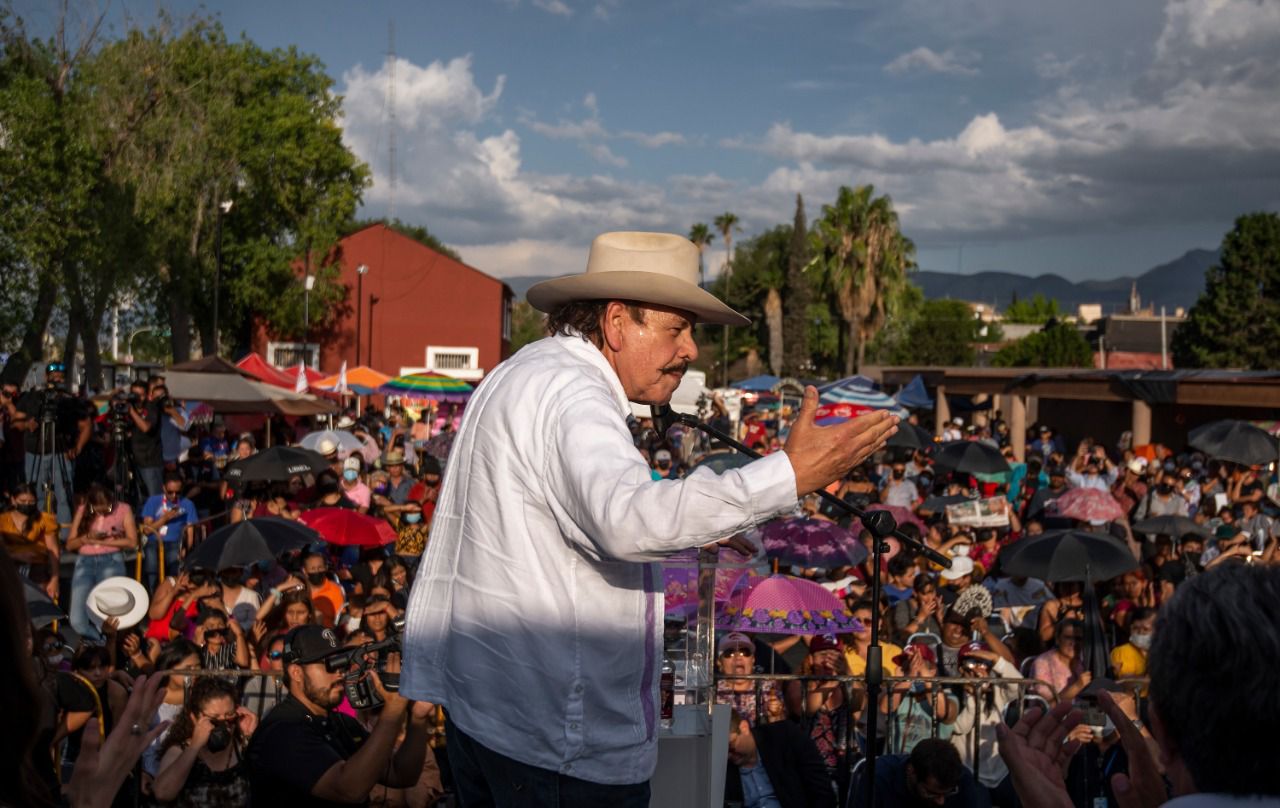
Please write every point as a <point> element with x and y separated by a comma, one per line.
<point>350,475</point>
<point>898,475</point>
<point>1140,641</point>
<point>1164,489</point>
<point>219,739</point>
<point>316,578</point>
<point>28,509</point>
<point>381,488</point>
<point>413,518</point>
<point>1194,558</point>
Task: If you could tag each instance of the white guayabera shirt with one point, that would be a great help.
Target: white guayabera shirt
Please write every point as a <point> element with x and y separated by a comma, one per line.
<point>536,618</point>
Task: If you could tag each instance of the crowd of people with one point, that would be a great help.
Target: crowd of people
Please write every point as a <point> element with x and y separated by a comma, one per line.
<point>996,641</point>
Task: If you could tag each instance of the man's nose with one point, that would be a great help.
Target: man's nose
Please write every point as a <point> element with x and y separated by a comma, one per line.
<point>688,346</point>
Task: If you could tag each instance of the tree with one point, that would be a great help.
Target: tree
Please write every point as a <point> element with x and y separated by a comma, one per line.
<point>797,360</point>
<point>1036,311</point>
<point>1058,345</point>
<point>727,223</point>
<point>1236,321</point>
<point>760,267</point>
<point>527,325</point>
<point>863,258</point>
<point>701,236</point>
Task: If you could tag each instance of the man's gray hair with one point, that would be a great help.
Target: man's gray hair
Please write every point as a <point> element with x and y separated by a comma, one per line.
<point>1213,670</point>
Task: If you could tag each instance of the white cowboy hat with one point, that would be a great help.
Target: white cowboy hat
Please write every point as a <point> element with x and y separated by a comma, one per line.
<point>656,268</point>
<point>122,598</point>
<point>345,422</point>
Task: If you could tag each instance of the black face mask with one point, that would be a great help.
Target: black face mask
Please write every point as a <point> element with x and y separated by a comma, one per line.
<point>1163,489</point>
<point>1194,558</point>
<point>28,509</point>
<point>219,739</point>
<point>898,475</point>
<point>316,578</point>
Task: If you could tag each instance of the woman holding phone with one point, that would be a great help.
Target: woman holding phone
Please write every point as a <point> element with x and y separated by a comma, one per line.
<point>101,529</point>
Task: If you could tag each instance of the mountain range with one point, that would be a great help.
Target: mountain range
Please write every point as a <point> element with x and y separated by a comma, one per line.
<point>1174,285</point>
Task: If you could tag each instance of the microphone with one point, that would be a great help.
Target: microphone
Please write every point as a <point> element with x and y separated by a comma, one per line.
<point>664,418</point>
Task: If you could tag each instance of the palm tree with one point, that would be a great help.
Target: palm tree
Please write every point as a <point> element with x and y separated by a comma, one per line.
<point>727,223</point>
<point>701,236</point>
<point>864,259</point>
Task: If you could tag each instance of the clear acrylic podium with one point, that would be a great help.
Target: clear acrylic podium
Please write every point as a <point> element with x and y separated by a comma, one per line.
<point>693,746</point>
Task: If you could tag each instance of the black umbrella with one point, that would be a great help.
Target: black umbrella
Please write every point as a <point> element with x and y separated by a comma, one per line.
<point>1068,555</point>
<point>250,541</point>
<point>939,504</point>
<point>910,436</point>
<point>720,462</point>
<point>40,608</point>
<point>279,463</point>
<point>1169,526</point>
<point>1238,441</point>
<point>971,457</point>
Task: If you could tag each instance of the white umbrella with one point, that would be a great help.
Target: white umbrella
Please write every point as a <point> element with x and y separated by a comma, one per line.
<point>345,441</point>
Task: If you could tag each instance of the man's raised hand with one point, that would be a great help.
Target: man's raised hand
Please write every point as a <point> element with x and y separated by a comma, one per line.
<point>821,455</point>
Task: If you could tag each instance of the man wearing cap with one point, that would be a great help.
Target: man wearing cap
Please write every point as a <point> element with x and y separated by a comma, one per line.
<point>537,615</point>
<point>53,462</point>
<point>736,656</point>
<point>352,485</point>
<point>399,483</point>
<point>922,711</point>
<point>306,753</point>
<point>982,708</point>
<point>662,468</point>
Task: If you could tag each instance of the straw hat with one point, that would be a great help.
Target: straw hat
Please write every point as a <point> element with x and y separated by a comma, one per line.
<point>122,598</point>
<point>658,268</point>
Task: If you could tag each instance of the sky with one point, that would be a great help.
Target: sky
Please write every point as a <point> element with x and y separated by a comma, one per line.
<point>1090,138</point>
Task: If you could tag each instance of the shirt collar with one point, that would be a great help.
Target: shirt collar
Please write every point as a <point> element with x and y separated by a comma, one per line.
<point>583,348</point>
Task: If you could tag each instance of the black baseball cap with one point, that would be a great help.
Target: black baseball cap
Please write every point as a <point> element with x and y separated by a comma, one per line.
<point>307,644</point>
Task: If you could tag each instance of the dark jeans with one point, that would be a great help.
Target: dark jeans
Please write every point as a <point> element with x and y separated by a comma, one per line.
<point>482,778</point>
<point>152,478</point>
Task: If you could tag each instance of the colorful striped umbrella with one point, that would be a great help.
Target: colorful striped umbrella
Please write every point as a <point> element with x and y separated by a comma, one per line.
<point>435,386</point>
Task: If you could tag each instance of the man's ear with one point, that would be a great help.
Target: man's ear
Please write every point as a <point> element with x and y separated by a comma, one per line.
<point>611,324</point>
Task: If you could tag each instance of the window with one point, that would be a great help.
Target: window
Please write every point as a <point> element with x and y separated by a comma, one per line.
<point>289,354</point>
<point>459,362</point>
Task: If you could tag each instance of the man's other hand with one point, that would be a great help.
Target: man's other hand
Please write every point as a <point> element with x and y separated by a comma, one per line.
<point>821,455</point>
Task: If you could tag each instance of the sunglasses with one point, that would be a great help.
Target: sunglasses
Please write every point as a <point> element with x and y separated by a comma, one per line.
<point>215,632</point>
<point>737,652</point>
<point>275,654</point>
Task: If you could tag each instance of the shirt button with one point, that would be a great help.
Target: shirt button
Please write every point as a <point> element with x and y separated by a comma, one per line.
<point>566,767</point>
<point>578,688</point>
<point>574,725</point>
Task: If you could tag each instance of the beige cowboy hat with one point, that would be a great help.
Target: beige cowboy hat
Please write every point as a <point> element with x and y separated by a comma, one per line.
<point>120,597</point>
<point>656,268</point>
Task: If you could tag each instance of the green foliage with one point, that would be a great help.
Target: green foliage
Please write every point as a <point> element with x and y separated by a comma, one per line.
<point>759,264</point>
<point>1059,345</point>
<point>527,325</point>
<point>797,297</point>
<point>418,233</point>
<point>932,332</point>
<point>1036,311</point>
<point>1236,321</point>
<point>701,236</point>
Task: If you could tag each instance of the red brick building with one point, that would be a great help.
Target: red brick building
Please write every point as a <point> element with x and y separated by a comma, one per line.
<point>416,309</point>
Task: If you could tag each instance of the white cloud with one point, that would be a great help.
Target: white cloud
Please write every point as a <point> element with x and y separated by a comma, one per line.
<point>603,154</point>
<point>591,132</point>
<point>926,60</point>
<point>556,7</point>
<point>527,256</point>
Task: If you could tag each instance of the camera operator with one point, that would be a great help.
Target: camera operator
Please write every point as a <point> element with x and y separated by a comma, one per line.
<point>305,753</point>
<point>58,427</point>
<point>145,412</point>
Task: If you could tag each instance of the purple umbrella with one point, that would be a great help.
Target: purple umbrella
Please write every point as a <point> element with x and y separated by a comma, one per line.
<point>782,604</point>
<point>811,543</point>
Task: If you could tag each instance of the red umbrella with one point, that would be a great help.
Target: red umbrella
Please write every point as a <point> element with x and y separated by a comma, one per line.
<point>347,527</point>
<point>1088,505</point>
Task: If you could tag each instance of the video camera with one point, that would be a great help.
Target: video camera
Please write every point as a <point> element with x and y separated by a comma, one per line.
<point>357,661</point>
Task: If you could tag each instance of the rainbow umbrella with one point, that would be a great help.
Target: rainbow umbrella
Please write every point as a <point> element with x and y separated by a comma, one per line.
<point>435,386</point>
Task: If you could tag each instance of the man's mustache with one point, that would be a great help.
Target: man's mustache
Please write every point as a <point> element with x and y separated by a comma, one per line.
<point>679,367</point>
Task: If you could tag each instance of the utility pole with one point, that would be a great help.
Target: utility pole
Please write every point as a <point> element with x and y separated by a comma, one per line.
<point>360,273</point>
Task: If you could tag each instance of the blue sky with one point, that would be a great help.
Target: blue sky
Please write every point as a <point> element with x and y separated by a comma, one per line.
<point>1090,138</point>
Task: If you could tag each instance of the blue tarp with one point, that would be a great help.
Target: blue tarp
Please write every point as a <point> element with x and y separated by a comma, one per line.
<point>914,395</point>
<point>757,384</point>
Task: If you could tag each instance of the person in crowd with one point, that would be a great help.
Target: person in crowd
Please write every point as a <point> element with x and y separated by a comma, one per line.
<point>178,655</point>
<point>1130,659</point>
<point>1091,468</point>
<point>222,643</point>
<point>901,575</point>
<point>378,613</point>
<point>262,693</point>
<point>201,481</point>
<point>31,538</point>
<point>246,446</point>
<point>1188,755</point>
<point>960,575</point>
<point>1061,665</point>
<point>899,490</point>
<point>372,560</point>
<point>326,594</point>
<point>51,446</point>
<point>931,774</point>
<point>857,643</point>
<point>216,445</point>
<point>175,603</point>
<point>353,488</point>
<point>994,687</point>
<point>399,482</point>
<point>1164,499</point>
<point>775,765</point>
<point>330,494</point>
<point>1245,486</point>
<point>100,531</point>
<point>920,613</point>
<point>146,411</point>
<point>288,606</point>
<point>1130,489</point>
<point>304,751</point>
<point>91,669</point>
<point>1037,507</point>
<point>918,710</point>
<point>736,656</point>
<point>1259,527</point>
<point>239,601</point>
<point>825,707</point>
<point>1067,604</point>
<point>173,427</point>
<point>399,578</point>
<point>202,756</point>
<point>959,629</point>
<point>167,519</point>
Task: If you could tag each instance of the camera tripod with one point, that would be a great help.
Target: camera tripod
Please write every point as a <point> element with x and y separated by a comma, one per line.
<point>50,461</point>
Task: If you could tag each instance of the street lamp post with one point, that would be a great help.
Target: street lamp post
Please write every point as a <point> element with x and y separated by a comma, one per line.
<point>360,273</point>
<point>373,301</point>
<point>128,345</point>
<point>224,208</point>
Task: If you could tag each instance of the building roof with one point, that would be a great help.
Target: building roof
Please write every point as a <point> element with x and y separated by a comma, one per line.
<point>415,242</point>
<point>1134,333</point>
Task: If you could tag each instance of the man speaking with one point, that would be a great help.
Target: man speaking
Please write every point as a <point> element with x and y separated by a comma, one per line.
<point>536,618</point>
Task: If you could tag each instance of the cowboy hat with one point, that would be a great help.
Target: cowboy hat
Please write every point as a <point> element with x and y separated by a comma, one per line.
<point>659,268</point>
<point>122,598</point>
<point>346,422</point>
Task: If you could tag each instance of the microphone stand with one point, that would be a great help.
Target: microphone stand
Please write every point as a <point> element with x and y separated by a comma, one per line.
<point>881,525</point>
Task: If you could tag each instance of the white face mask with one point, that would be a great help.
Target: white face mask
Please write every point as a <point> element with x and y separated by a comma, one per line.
<point>1140,641</point>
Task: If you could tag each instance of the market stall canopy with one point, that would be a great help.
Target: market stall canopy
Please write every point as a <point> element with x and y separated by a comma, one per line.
<point>263,371</point>
<point>914,395</point>
<point>232,393</point>
<point>362,380</point>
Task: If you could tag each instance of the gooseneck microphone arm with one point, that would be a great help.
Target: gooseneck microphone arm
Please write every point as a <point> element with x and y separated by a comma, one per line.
<point>882,525</point>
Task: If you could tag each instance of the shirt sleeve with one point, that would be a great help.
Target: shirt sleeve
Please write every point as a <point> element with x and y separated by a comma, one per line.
<point>601,486</point>
<point>151,508</point>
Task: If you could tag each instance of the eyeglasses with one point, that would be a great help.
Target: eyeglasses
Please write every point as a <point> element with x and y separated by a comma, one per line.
<point>275,654</point>
<point>737,652</point>
<point>929,794</point>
